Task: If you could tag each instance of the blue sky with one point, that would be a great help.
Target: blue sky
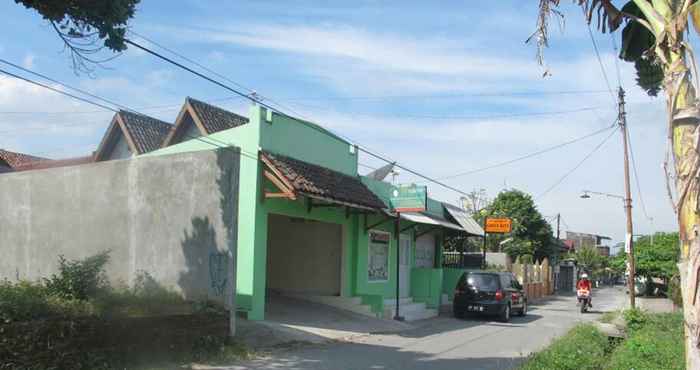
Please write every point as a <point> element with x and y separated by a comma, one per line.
<point>428,86</point>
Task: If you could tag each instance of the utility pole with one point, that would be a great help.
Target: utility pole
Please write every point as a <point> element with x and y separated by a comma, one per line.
<point>558,225</point>
<point>622,121</point>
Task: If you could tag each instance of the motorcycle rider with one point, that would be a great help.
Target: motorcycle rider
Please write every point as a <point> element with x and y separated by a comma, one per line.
<point>585,284</point>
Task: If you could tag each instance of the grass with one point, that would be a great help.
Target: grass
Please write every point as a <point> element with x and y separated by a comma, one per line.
<point>583,347</point>
<point>655,341</point>
<point>608,317</point>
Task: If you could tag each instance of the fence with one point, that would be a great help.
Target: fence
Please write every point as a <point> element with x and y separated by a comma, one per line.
<point>536,278</point>
<point>462,260</point>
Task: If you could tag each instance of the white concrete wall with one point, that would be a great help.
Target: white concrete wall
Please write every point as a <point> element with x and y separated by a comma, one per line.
<point>303,256</point>
<point>171,216</point>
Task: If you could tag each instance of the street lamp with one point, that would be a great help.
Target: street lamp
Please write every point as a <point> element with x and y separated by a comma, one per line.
<point>627,202</point>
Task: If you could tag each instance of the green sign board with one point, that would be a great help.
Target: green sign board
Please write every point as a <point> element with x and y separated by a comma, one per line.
<point>409,198</point>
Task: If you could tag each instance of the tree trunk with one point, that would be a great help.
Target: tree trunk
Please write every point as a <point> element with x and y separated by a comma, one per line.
<point>684,123</point>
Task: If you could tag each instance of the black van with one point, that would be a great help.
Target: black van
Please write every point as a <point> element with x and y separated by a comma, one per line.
<point>490,293</point>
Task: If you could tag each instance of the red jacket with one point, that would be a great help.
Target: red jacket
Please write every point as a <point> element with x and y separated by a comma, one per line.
<point>584,284</point>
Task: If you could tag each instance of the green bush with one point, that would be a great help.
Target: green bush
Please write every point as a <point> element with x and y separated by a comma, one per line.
<point>22,301</point>
<point>584,347</point>
<point>655,342</point>
<point>79,279</point>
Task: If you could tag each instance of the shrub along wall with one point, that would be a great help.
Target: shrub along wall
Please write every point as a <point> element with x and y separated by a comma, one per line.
<point>91,343</point>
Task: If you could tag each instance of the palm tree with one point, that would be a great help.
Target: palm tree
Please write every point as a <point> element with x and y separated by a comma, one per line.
<point>653,38</point>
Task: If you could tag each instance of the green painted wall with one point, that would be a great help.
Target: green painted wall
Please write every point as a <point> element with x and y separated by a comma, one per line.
<point>307,142</point>
<point>426,286</point>
<point>300,140</point>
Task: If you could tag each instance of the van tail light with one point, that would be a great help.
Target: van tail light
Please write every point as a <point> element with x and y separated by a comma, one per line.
<point>459,291</point>
<point>514,297</point>
<point>499,295</point>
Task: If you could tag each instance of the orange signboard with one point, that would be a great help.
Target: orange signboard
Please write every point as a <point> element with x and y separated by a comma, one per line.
<point>498,225</point>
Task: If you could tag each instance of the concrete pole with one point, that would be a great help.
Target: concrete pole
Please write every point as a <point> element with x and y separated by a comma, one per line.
<point>622,121</point>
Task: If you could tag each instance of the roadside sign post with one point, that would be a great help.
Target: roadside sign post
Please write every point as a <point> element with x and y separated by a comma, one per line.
<point>495,225</point>
<point>405,198</point>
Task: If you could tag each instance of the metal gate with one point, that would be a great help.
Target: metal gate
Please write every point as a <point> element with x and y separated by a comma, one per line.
<point>566,278</point>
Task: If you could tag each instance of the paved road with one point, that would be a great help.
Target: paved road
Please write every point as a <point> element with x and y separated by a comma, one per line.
<point>448,343</point>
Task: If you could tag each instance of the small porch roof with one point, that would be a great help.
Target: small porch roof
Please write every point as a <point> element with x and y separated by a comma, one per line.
<point>314,181</point>
<point>467,223</point>
<point>427,219</point>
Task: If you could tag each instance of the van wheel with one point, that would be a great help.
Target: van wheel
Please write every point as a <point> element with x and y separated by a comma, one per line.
<point>457,313</point>
<point>505,315</point>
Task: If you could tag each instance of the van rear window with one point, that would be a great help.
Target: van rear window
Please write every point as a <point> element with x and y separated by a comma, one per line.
<point>487,282</point>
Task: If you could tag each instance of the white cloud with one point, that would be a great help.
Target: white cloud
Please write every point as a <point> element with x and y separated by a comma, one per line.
<point>28,61</point>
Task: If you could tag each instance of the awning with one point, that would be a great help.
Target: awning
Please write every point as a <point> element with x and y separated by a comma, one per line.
<point>467,223</point>
<point>423,218</point>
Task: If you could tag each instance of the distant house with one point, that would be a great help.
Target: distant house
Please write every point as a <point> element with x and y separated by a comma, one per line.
<point>14,162</point>
<point>131,134</point>
<point>576,240</point>
<point>197,118</point>
<point>11,161</point>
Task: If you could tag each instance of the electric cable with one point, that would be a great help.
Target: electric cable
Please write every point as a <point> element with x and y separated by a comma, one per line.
<point>558,182</point>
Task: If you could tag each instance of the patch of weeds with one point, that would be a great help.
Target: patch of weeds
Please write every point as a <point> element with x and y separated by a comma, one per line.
<point>215,350</point>
<point>655,342</point>
<point>609,317</point>
<point>78,279</point>
<point>635,319</point>
<point>583,347</point>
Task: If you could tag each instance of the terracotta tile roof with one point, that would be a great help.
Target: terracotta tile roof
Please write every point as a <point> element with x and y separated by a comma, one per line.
<point>215,119</point>
<point>53,163</point>
<point>14,159</point>
<point>147,132</point>
<point>314,180</point>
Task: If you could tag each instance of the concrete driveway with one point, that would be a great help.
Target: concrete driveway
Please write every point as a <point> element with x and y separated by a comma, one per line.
<point>292,320</point>
<point>446,342</point>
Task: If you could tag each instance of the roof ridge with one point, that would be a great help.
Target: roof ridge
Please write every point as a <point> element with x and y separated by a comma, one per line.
<point>157,120</point>
<point>189,98</point>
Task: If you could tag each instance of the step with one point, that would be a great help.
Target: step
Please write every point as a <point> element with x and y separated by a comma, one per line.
<point>421,315</point>
<point>410,312</point>
<point>402,301</point>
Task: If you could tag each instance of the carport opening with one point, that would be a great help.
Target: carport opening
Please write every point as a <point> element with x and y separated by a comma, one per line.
<point>303,257</point>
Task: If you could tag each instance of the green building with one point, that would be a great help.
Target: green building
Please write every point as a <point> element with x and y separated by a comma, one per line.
<point>310,226</point>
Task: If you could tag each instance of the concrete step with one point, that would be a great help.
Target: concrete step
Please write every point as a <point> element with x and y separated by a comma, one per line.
<point>421,315</point>
<point>402,301</point>
<point>410,311</point>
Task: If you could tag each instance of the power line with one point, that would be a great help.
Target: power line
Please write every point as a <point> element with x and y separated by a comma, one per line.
<point>636,176</point>
<point>62,84</point>
<point>56,90</point>
<point>600,61</point>
<point>527,156</point>
<point>447,95</point>
<point>200,138</point>
<point>558,182</point>
<point>617,57</point>
<point>251,92</point>
<point>470,117</point>
<point>257,101</point>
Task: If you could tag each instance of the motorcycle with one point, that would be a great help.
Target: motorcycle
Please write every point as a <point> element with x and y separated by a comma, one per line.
<point>584,299</point>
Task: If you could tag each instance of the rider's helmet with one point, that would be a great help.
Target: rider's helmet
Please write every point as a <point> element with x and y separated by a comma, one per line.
<point>584,276</point>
